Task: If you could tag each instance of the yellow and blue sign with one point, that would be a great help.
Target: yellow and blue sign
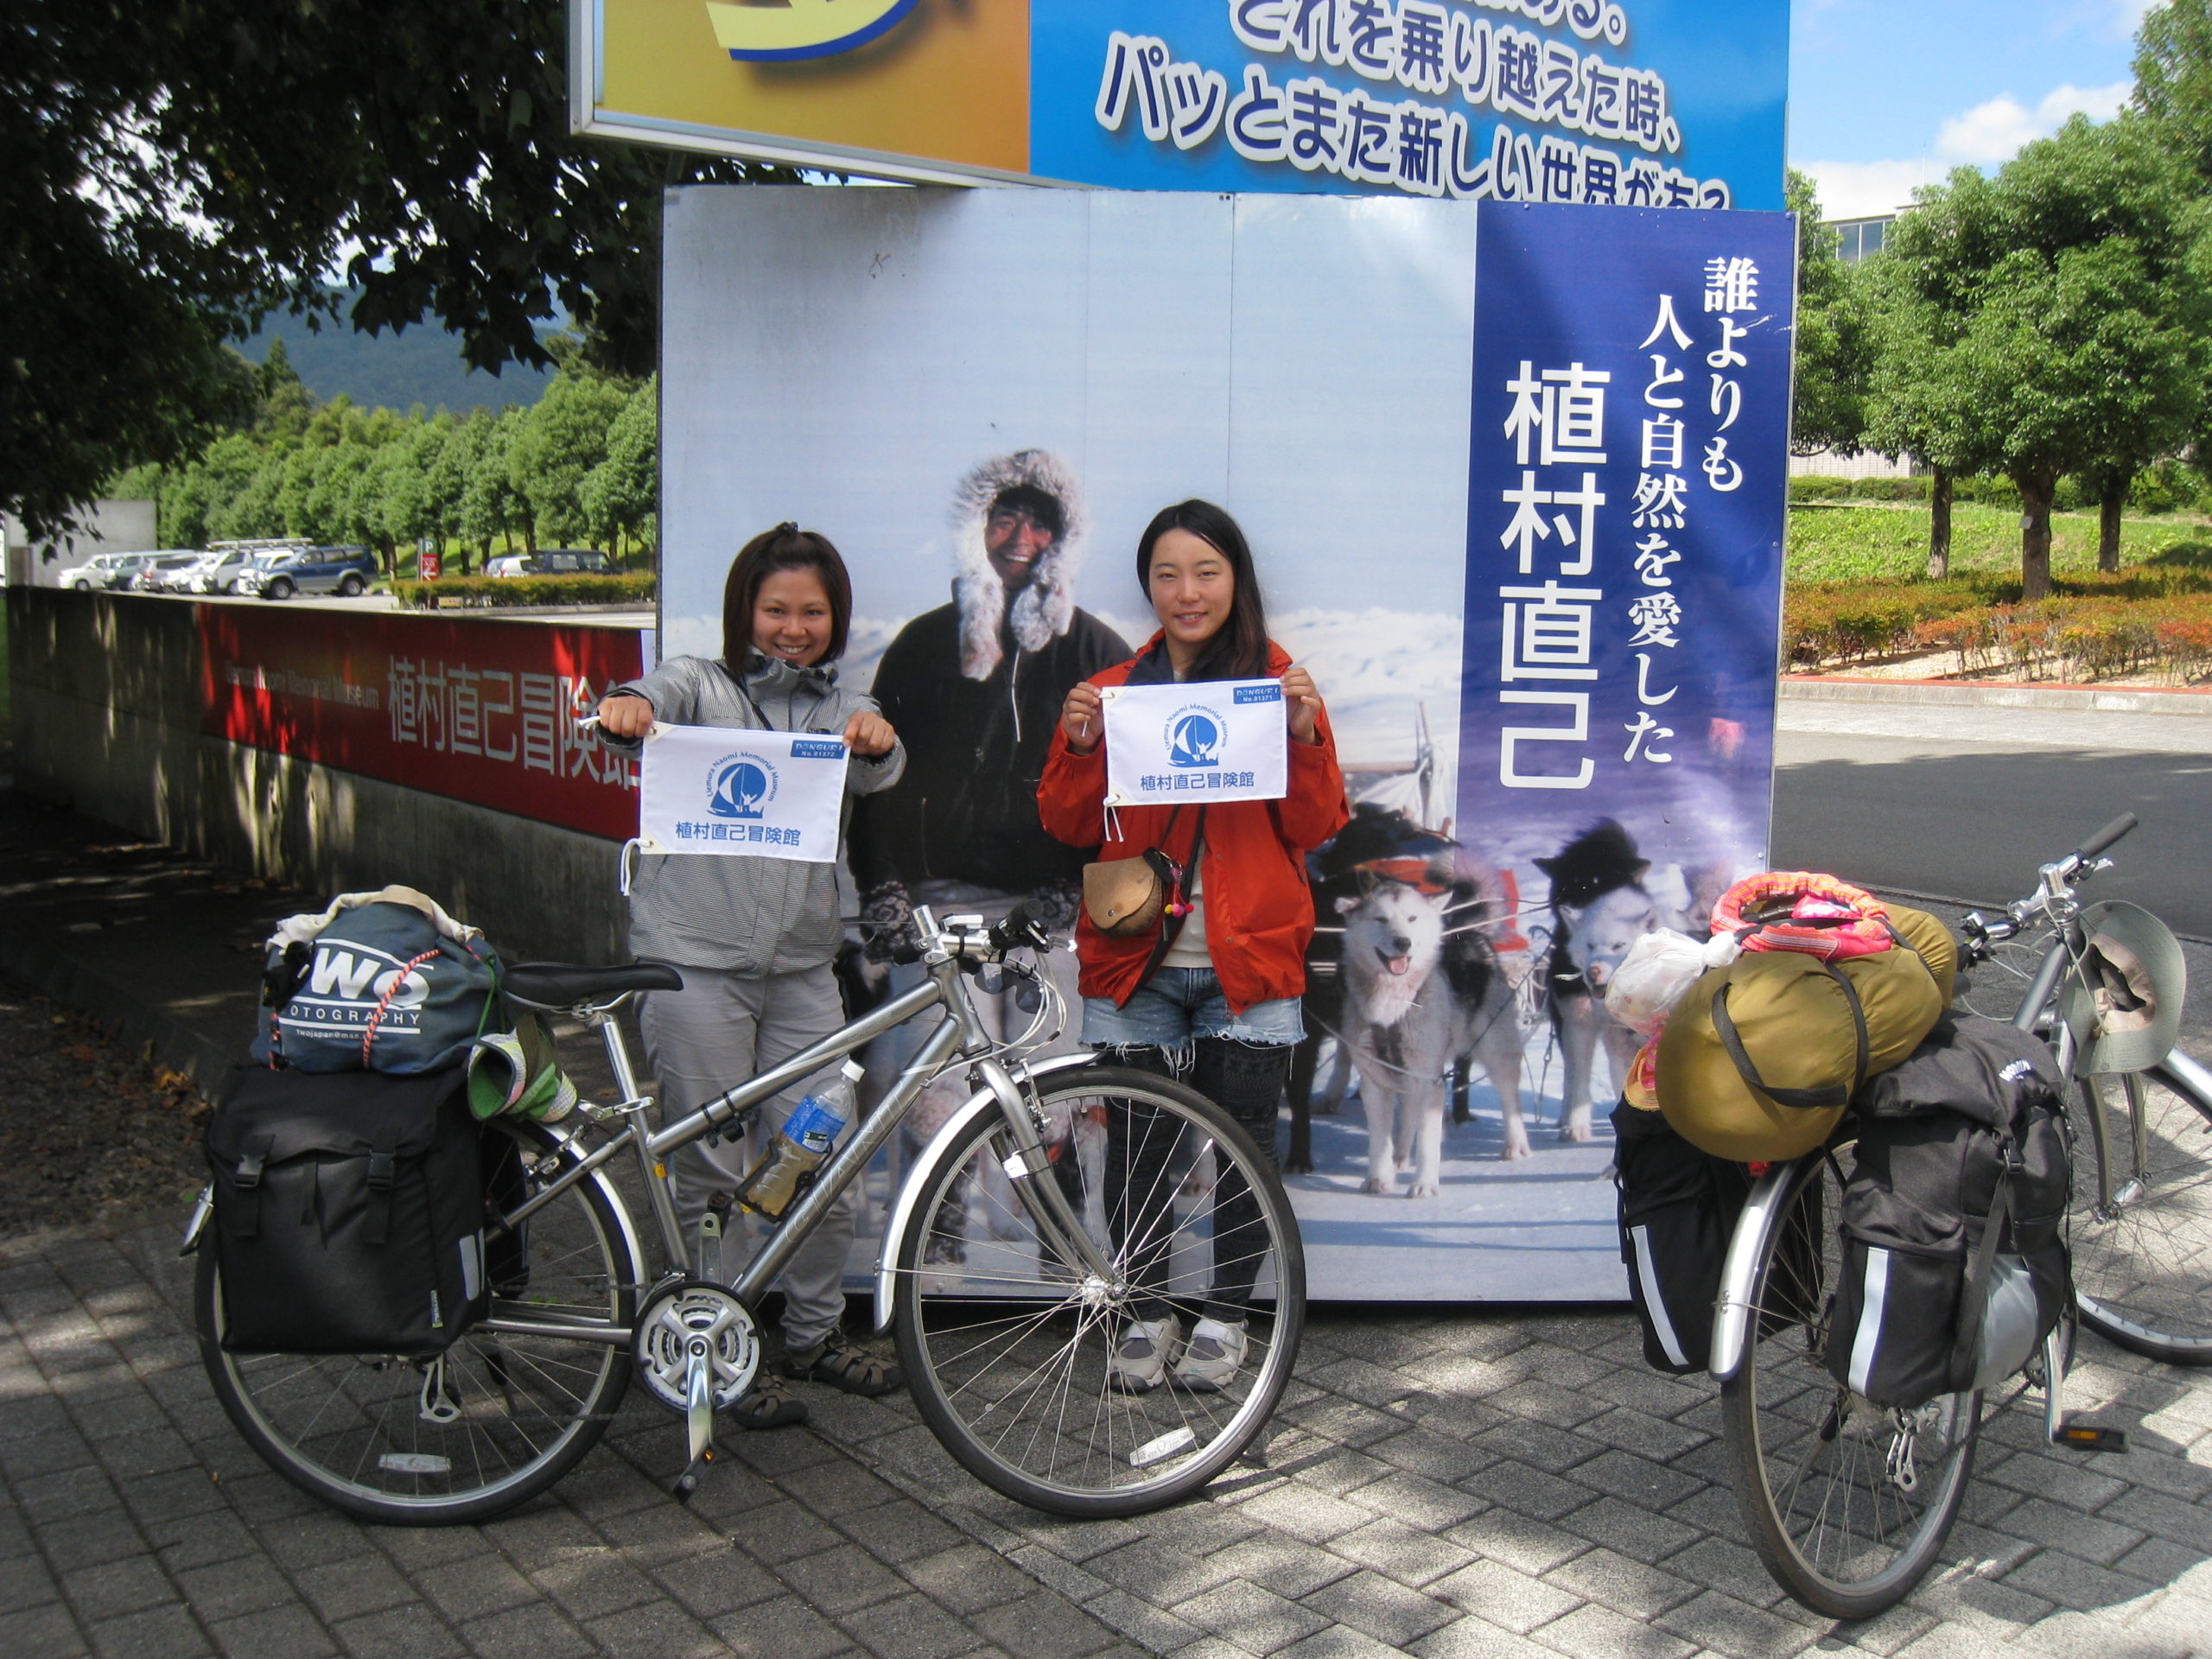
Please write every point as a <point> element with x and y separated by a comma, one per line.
<point>803,29</point>
<point>1631,102</point>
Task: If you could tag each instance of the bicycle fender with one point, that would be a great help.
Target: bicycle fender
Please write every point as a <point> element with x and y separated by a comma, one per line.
<point>903,1210</point>
<point>1732,1311</point>
<point>572,1150</point>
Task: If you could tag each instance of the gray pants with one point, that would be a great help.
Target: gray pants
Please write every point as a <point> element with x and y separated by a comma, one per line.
<point>722,1030</point>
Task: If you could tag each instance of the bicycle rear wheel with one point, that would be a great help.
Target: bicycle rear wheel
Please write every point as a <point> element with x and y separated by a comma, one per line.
<point>1847,1501</point>
<point>1007,1349</point>
<point>491,1421</point>
<point>2143,1256</point>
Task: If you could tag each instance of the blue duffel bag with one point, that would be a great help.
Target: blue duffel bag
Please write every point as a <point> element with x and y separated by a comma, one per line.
<point>381,982</point>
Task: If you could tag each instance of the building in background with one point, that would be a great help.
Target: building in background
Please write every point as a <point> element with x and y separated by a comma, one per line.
<point>109,527</point>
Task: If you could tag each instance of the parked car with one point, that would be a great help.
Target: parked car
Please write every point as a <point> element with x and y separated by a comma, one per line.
<point>346,571</point>
<point>96,573</point>
<point>165,572</point>
<point>215,573</point>
<point>553,562</point>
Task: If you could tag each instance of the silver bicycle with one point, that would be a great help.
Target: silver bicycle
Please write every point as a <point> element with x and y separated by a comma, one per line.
<point>1848,1503</point>
<point>1062,1201</point>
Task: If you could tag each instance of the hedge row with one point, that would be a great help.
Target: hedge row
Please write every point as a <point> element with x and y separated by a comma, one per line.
<point>2093,628</point>
<point>471,592</point>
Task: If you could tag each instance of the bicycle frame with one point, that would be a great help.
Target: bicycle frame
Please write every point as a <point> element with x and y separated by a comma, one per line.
<point>959,1033</point>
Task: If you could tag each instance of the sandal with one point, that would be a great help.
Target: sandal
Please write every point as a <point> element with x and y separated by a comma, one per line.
<point>844,1364</point>
<point>767,1404</point>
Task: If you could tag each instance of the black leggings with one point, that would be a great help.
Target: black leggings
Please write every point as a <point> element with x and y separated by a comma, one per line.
<point>1142,1172</point>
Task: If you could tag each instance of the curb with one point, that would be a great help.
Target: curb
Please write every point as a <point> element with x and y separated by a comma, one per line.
<point>2108,699</point>
<point>137,1023</point>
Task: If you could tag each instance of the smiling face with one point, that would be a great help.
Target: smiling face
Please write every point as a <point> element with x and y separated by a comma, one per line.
<point>1013,540</point>
<point>792,619</point>
<point>1193,590</point>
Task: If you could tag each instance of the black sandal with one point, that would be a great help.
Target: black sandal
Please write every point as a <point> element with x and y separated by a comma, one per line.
<point>844,1364</point>
<point>767,1404</point>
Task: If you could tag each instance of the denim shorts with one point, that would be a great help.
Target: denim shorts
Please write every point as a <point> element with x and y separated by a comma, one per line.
<point>1177,1005</point>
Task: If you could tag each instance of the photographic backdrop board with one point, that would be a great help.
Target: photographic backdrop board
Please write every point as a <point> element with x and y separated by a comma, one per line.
<point>1356,380</point>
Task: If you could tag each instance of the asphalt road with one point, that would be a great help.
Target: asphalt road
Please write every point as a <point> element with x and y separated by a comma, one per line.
<point>1966,802</point>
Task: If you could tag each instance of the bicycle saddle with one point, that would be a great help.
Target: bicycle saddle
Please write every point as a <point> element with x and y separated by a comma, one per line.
<point>564,985</point>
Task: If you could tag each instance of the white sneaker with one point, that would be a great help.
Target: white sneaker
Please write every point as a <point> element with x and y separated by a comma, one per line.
<point>1213,1358</point>
<point>1140,1364</point>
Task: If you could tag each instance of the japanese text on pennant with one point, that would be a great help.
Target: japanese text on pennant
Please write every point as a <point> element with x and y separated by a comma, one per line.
<point>713,789</point>
<point>1210,740</point>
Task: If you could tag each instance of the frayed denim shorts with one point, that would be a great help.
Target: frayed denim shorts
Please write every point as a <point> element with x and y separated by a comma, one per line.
<point>1176,1006</point>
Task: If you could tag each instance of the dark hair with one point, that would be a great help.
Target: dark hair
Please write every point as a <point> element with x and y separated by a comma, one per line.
<point>1041,504</point>
<point>784,548</point>
<point>1239,651</point>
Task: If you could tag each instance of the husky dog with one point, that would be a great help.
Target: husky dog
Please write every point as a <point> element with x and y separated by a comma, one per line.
<point>1411,1008</point>
<point>1603,907</point>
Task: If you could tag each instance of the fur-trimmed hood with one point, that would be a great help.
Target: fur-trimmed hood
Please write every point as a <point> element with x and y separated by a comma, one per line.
<point>1046,604</point>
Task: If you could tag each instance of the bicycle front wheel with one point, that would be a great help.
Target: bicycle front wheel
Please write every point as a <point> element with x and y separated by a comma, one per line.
<point>491,1421</point>
<point>1010,1351</point>
<point>2142,1214</point>
<point>1847,1501</point>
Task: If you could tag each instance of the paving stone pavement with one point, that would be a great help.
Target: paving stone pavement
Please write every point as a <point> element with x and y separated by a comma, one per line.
<point>1444,1482</point>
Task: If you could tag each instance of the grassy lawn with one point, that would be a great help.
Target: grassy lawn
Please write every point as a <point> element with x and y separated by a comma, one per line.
<point>1891,542</point>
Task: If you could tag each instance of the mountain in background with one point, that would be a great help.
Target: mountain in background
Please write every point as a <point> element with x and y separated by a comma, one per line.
<point>422,365</point>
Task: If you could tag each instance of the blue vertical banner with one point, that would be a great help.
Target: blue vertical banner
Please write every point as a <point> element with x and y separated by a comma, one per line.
<point>1627,492</point>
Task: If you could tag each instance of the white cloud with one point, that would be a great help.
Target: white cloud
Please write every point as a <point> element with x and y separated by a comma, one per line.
<point>1986,135</point>
<point>1993,132</point>
<point>1861,189</point>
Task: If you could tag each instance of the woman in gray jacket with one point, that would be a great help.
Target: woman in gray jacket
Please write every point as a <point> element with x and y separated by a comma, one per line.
<point>755,937</point>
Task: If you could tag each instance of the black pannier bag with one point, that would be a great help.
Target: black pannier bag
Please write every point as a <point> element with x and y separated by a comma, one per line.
<point>1955,1257</point>
<point>349,1212</point>
<point>1678,1208</point>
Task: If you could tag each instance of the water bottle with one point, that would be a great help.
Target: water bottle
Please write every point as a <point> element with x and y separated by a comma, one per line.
<point>797,1149</point>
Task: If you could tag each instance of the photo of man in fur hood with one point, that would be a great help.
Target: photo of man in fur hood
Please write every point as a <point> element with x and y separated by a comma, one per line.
<point>974,688</point>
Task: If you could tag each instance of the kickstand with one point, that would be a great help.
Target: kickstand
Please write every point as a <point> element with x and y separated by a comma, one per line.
<point>2080,1437</point>
<point>698,1418</point>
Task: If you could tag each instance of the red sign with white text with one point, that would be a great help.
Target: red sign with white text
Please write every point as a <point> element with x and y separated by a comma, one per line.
<point>482,711</point>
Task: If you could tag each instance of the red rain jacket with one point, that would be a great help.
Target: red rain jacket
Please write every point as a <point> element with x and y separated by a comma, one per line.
<point>1259,908</point>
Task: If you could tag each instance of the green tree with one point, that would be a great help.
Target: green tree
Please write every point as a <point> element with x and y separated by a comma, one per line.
<point>1834,357</point>
<point>491,505</point>
<point>445,486</point>
<point>174,170</point>
<point>287,406</point>
<point>619,495</point>
<point>2056,317</point>
<point>559,442</point>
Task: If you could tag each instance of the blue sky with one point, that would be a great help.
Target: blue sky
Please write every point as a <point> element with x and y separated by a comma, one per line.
<point>1886,94</point>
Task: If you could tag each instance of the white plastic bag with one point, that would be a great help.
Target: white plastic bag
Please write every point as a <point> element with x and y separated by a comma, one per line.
<point>1658,969</point>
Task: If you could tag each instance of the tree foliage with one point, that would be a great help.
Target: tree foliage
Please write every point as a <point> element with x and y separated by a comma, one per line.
<point>174,170</point>
<point>2047,321</point>
<point>1835,341</point>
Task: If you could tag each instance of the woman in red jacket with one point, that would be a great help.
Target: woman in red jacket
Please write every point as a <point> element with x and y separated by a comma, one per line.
<point>1220,1007</point>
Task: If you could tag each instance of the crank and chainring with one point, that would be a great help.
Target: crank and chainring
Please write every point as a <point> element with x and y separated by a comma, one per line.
<point>684,1318</point>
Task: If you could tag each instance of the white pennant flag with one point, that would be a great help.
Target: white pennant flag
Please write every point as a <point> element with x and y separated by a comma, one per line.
<point>716,789</point>
<point>1213,741</point>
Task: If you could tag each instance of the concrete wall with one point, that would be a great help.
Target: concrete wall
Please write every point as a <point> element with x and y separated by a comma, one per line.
<point>107,691</point>
<point>110,527</point>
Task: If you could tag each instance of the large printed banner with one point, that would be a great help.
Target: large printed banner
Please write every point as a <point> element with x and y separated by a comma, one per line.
<point>482,711</point>
<point>1640,103</point>
<point>1513,480</point>
<point>1624,529</point>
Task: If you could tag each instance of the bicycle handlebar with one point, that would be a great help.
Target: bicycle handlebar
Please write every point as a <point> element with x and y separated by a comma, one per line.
<point>2105,837</point>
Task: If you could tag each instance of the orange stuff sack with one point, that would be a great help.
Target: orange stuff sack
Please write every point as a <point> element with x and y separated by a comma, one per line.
<point>1760,1058</point>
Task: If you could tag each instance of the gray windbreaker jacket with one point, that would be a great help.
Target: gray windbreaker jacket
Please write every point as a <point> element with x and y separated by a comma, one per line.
<point>750,916</point>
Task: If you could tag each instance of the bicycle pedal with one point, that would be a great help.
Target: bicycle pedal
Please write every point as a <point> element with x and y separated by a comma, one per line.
<point>686,1483</point>
<point>2084,1437</point>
